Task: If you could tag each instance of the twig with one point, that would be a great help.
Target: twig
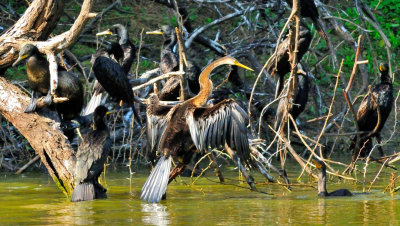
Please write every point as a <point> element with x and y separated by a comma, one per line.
<point>161,77</point>
<point>28,164</point>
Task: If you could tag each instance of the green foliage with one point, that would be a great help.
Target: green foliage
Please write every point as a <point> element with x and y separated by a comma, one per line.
<point>82,50</point>
<point>387,14</point>
<point>16,73</point>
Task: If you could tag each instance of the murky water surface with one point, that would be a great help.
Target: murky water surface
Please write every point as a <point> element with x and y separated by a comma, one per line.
<point>35,199</point>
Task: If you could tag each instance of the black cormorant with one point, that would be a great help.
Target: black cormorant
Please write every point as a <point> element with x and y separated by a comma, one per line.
<point>113,79</point>
<point>299,97</point>
<point>90,158</point>
<point>281,59</point>
<point>367,114</point>
<point>189,126</point>
<point>169,62</point>
<point>321,167</point>
<point>123,52</point>
<point>112,51</point>
<point>192,74</point>
<point>129,50</point>
<point>309,9</point>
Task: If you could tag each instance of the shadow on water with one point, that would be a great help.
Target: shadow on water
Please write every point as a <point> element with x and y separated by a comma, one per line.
<point>34,199</point>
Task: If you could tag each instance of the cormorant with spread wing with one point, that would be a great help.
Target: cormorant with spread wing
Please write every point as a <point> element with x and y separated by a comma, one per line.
<point>90,158</point>
<point>186,127</point>
<point>368,115</point>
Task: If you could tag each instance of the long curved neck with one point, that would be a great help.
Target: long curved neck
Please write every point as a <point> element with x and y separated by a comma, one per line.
<point>170,42</point>
<point>322,183</point>
<point>206,85</point>
<point>123,35</point>
<point>99,123</point>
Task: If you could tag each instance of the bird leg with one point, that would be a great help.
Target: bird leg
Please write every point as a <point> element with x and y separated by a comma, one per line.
<point>242,169</point>
<point>218,172</point>
<point>32,105</point>
<point>180,167</point>
<point>48,99</point>
<point>249,178</point>
<point>379,140</point>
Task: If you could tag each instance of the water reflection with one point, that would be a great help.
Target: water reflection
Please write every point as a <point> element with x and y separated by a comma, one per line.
<point>155,214</point>
<point>218,204</point>
<point>82,213</point>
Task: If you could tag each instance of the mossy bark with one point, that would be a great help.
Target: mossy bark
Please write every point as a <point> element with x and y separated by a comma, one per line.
<point>42,133</point>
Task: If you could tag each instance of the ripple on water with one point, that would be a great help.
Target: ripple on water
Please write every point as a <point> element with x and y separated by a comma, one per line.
<point>35,199</point>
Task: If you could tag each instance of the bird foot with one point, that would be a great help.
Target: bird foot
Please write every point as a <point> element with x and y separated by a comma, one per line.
<point>31,107</point>
<point>48,99</point>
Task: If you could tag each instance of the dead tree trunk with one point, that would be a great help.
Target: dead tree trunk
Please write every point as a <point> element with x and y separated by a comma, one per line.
<point>43,134</point>
<point>36,24</point>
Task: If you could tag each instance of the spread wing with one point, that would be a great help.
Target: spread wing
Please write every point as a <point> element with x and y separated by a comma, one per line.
<point>91,155</point>
<point>211,127</point>
<point>157,121</point>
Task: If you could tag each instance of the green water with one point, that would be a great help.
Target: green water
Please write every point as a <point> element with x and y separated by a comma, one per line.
<point>34,199</point>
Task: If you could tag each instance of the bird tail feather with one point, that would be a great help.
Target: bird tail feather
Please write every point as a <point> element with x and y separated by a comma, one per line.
<point>94,102</point>
<point>156,184</point>
<point>83,192</point>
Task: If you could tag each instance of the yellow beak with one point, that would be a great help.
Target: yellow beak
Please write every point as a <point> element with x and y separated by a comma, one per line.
<point>301,71</point>
<point>382,67</point>
<point>243,66</point>
<point>156,32</point>
<point>107,32</point>
<point>19,59</point>
<point>110,112</point>
<point>317,165</point>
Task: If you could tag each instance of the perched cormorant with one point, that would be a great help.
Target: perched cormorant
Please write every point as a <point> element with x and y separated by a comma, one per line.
<point>189,126</point>
<point>129,50</point>
<point>321,167</point>
<point>367,114</point>
<point>169,62</point>
<point>192,74</point>
<point>90,158</point>
<point>300,97</point>
<point>112,51</point>
<point>168,59</point>
<point>38,74</point>
<point>281,59</point>
<point>113,79</point>
<point>123,52</point>
<point>309,9</point>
